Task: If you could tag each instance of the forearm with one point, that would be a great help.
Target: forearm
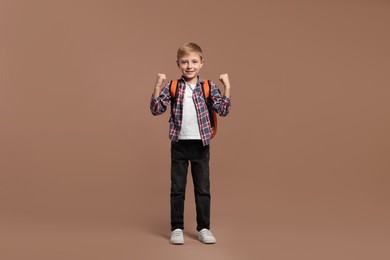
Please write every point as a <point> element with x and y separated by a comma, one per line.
<point>156,92</point>
<point>159,85</point>
<point>227,91</point>
<point>224,78</point>
<point>160,99</point>
<point>221,101</point>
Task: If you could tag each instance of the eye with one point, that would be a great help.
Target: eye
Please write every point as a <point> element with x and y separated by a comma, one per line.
<point>195,61</point>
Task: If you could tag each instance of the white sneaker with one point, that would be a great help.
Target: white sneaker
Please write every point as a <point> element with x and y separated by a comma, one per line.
<point>206,237</point>
<point>177,237</point>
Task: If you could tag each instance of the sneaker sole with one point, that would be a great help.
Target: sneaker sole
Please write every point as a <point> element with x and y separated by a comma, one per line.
<point>208,243</point>
<point>176,243</point>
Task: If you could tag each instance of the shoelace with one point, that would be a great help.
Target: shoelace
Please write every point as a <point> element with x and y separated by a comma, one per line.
<point>176,233</point>
<point>206,232</point>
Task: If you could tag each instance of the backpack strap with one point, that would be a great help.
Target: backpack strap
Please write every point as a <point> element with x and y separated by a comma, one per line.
<point>212,114</point>
<point>173,92</point>
<point>173,89</point>
<point>206,89</point>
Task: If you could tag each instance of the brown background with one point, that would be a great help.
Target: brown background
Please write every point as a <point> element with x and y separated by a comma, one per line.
<point>300,168</point>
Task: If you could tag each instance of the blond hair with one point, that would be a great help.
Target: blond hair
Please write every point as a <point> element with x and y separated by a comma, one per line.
<point>187,48</point>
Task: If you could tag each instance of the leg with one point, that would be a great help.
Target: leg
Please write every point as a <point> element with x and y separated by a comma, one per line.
<point>179,169</point>
<point>201,177</point>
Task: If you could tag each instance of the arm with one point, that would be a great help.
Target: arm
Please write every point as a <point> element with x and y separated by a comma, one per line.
<point>221,104</point>
<point>224,78</point>
<point>161,96</point>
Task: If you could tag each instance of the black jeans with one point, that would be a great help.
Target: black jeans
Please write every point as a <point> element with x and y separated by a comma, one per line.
<point>182,153</point>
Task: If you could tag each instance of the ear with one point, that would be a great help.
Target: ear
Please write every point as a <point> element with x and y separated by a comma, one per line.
<point>177,63</point>
<point>201,63</point>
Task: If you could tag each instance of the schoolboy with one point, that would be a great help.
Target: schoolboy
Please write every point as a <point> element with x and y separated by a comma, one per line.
<point>190,132</point>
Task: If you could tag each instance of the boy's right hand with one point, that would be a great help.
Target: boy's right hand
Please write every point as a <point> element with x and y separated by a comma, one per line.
<point>160,80</point>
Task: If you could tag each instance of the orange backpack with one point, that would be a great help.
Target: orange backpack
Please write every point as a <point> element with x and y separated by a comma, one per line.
<point>206,96</point>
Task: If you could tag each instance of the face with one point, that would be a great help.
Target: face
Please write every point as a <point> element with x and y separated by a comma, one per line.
<point>190,66</point>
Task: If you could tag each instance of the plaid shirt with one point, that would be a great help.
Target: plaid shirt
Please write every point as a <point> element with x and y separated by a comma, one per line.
<point>221,104</point>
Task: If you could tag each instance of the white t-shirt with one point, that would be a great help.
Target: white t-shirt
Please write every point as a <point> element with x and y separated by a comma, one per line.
<point>190,126</point>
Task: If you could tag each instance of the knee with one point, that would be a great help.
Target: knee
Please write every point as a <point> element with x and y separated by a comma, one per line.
<point>177,190</point>
<point>203,190</point>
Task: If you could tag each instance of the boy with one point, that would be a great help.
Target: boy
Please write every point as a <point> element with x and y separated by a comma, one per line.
<point>190,133</point>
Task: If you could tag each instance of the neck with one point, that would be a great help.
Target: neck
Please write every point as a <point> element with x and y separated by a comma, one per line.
<point>191,81</point>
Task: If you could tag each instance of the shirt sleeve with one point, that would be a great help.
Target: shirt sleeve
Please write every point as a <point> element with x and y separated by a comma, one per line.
<point>159,105</point>
<point>221,104</point>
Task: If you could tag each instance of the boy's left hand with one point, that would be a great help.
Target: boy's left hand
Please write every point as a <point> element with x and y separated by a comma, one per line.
<point>224,78</point>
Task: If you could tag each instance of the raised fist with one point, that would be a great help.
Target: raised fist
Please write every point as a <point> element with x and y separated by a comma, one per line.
<point>224,78</point>
<point>160,79</point>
